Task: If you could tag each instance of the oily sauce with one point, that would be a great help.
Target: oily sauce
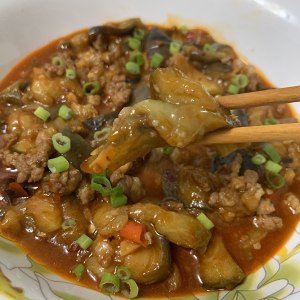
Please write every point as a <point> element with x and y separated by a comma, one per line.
<point>61,260</point>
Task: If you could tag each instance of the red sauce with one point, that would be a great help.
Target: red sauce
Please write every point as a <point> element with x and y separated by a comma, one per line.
<point>60,260</point>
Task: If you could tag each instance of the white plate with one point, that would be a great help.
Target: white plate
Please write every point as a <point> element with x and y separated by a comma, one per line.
<point>265,32</point>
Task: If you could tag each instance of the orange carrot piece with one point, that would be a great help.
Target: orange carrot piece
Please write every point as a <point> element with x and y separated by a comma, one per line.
<point>17,189</point>
<point>134,232</point>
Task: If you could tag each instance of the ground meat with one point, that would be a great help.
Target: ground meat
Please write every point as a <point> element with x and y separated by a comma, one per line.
<point>8,139</point>
<point>293,202</point>
<point>31,165</point>
<point>270,223</point>
<point>85,193</point>
<point>117,91</point>
<point>225,197</point>
<point>241,196</point>
<point>265,207</point>
<point>62,183</point>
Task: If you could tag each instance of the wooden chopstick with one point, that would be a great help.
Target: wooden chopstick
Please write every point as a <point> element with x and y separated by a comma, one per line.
<point>266,97</point>
<point>251,134</point>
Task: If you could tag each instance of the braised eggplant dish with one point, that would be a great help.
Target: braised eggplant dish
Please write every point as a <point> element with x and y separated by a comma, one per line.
<point>103,176</point>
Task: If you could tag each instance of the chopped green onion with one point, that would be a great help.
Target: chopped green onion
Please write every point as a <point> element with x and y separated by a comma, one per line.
<point>184,29</point>
<point>175,47</point>
<point>110,283</point>
<point>209,48</point>
<point>270,121</point>
<point>78,271</point>
<point>58,164</point>
<point>91,88</point>
<point>61,143</point>
<point>57,61</point>
<point>84,241</point>
<point>156,60</point>
<point>168,150</point>
<point>42,113</point>
<point>139,33</point>
<point>275,181</point>
<point>258,159</point>
<point>132,68</point>
<point>240,80</point>
<point>101,184</point>
<point>233,89</point>
<point>71,73</point>
<point>65,112</point>
<point>134,43</point>
<point>101,135</point>
<point>137,57</point>
<point>273,167</point>
<point>272,152</point>
<point>117,197</point>
<point>130,289</point>
<point>68,223</point>
<point>205,221</point>
<point>123,273</point>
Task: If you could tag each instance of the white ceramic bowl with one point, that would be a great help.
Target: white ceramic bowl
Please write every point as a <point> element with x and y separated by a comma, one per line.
<point>264,32</point>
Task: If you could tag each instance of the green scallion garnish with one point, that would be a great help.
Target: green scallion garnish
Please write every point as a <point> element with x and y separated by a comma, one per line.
<point>272,153</point>
<point>168,150</point>
<point>91,88</point>
<point>240,80</point>
<point>270,121</point>
<point>156,60</point>
<point>58,164</point>
<point>258,159</point>
<point>273,167</point>
<point>42,113</point>
<point>134,43</point>
<point>101,184</point>
<point>137,57</point>
<point>130,289</point>
<point>110,283</point>
<point>58,61</point>
<point>65,112</point>
<point>184,29</point>
<point>205,221</point>
<point>209,48</point>
<point>78,271</point>
<point>139,33</point>
<point>233,89</point>
<point>68,223</point>
<point>133,68</point>
<point>117,197</point>
<point>175,47</point>
<point>84,241</point>
<point>71,74</point>
<point>275,180</point>
<point>123,272</point>
<point>61,143</point>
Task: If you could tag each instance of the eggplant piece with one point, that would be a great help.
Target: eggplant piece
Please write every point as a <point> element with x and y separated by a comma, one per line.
<point>181,115</point>
<point>80,148</point>
<point>180,229</point>
<point>194,187</point>
<point>181,63</point>
<point>157,41</point>
<point>140,92</point>
<point>13,94</point>
<point>222,53</point>
<point>151,264</point>
<point>217,268</point>
<point>246,163</point>
<point>119,29</point>
<point>98,122</point>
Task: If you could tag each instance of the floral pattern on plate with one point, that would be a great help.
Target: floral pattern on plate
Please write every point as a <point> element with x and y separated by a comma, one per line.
<point>277,279</point>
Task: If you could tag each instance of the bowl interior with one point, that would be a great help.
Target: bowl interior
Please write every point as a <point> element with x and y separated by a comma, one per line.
<point>264,32</point>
